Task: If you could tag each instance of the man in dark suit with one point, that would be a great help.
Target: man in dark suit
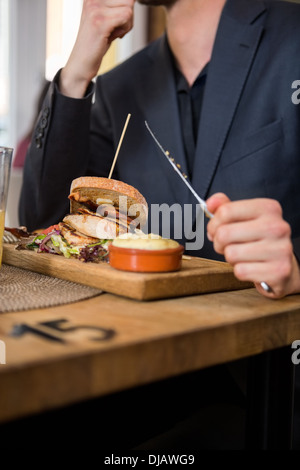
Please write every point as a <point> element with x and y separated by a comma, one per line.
<point>217,91</point>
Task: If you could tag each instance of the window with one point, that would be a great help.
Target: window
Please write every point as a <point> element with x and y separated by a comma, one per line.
<point>63,18</point>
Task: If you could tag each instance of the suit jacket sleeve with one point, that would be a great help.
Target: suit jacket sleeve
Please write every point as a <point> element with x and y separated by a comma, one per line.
<point>296,246</point>
<point>59,152</point>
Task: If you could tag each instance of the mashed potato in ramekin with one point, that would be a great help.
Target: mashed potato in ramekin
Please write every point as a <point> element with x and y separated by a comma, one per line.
<point>142,241</point>
<point>145,253</point>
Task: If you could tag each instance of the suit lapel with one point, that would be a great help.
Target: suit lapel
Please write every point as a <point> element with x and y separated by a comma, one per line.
<point>234,50</point>
<point>161,112</point>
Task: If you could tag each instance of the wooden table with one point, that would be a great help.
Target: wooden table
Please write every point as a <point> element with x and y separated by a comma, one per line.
<point>115,337</point>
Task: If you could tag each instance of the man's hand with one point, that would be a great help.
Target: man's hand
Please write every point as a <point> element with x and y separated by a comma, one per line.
<point>101,22</point>
<point>256,241</point>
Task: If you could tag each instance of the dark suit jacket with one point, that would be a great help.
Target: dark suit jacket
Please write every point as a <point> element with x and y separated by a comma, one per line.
<point>249,133</point>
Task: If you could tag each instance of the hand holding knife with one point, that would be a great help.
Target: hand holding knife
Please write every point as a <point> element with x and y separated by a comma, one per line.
<point>202,203</point>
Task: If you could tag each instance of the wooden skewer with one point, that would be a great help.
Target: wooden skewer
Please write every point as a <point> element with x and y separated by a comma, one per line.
<point>119,146</point>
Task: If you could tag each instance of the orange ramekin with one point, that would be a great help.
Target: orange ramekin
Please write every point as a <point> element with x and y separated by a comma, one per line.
<point>146,261</point>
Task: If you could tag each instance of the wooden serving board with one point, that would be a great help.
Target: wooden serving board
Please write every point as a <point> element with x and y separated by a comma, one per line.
<point>197,275</point>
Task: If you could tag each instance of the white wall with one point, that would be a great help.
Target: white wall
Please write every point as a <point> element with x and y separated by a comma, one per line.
<point>27,61</point>
<point>27,43</point>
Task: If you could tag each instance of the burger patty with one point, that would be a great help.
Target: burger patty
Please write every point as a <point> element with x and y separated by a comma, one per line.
<point>74,237</point>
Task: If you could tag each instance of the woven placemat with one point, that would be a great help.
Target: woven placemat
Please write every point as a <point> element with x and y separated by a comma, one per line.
<point>25,290</point>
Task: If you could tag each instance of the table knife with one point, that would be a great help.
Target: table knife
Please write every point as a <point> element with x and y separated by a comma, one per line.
<point>182,176</point>
<point>202,203</point>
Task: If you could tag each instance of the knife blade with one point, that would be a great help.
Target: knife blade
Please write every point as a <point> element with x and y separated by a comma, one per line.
<point>184,179</point>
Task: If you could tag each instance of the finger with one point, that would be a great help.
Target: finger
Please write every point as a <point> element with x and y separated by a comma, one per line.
<point>215,201</point>
<point>118,17</point>
<point>247,209</point>
<point>267,212</point>
<point>236,233</point>
<point>275,274</point>
<point>269,230</point>
<point>120,32</point>
<point>260,251</point>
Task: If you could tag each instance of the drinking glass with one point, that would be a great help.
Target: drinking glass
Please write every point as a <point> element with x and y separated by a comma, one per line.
<point>5,166</point>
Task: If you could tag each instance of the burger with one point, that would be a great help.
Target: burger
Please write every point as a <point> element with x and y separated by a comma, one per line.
<point>102,209</point>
